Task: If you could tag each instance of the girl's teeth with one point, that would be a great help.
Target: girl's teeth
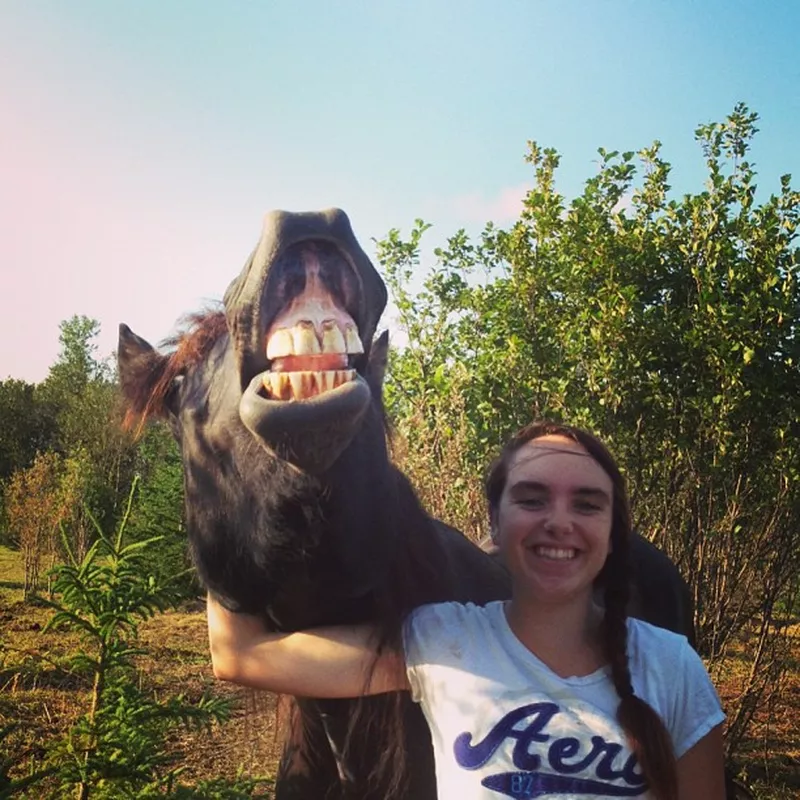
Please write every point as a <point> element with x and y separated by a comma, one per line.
<point>557,553</point>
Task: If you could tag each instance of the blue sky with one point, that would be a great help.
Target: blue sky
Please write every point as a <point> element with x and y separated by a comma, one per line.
<point>141,141</point>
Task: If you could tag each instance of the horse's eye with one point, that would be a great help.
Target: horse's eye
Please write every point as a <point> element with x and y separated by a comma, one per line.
<point>173,394</point>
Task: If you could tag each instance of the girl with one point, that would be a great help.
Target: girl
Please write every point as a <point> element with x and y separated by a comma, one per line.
<point>546,694</point>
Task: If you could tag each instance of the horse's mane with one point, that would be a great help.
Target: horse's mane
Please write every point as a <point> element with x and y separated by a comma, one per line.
<point>188,347</point>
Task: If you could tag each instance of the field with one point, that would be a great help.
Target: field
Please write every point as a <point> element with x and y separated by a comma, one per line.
<point>36,691</point>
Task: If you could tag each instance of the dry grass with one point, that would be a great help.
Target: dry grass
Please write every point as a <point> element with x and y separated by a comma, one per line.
<point>769,758</point>
<point>178,661</point>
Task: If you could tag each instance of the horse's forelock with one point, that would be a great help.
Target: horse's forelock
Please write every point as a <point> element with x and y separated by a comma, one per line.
<point>197,334</point>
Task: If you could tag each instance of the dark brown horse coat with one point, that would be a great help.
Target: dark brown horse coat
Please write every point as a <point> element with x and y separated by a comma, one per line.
<point>294,511</point>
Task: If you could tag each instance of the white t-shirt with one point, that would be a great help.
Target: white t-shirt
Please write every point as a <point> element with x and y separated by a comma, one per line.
<point>505,725</point>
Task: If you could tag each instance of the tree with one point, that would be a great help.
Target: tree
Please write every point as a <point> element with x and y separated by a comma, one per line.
<point>83,399</point>
<point>25,426</point>
<point>77,364</point>
<point>35,508</point>
<point>159,509</point>
<point>668,326</point>
<point>79,388</point>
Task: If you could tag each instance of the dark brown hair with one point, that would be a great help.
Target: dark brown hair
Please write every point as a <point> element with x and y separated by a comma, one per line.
<point>644,728</point>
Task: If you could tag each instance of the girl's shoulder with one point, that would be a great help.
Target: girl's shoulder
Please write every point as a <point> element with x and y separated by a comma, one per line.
<point>454,615</point>
<point>644,634</point>
<point>663,660</point>
<point>452,624</point>
<point>653,645</point>
<point>671,677</point>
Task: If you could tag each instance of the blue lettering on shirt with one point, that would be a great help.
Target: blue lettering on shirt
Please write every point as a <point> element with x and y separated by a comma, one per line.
<point>566,757</point>
<point>535,784</point>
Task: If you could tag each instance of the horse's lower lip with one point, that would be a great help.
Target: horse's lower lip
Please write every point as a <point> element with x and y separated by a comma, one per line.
<point>311,432</point>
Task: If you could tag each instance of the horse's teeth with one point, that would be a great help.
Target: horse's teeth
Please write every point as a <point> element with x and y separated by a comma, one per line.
<point>343,376</point>
<point>274,384</point>
<point>332,338</point>
<point>352,340</point>
<point>302,339</point>
<point>286,387</point>
<point>296,381</point>
<point>304,384</point>
<point>280,344</point>
<point>305,339</point>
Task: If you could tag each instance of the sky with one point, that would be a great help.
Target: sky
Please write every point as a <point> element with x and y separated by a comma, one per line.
<point>142,141</point>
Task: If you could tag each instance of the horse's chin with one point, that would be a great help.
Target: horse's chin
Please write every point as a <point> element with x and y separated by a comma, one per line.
<point>312,433</point>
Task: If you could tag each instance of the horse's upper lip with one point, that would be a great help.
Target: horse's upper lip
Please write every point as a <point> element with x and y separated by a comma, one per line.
<point>302,262</point>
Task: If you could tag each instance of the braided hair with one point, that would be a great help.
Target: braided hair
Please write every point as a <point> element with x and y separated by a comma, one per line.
<point>644,728</point>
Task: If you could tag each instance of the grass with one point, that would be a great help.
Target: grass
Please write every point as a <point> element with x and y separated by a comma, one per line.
<point>38,692</point>
<point>12,576</point>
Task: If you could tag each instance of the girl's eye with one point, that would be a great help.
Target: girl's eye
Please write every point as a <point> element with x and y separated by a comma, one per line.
<point>531,502</point>
<point>585,507</point>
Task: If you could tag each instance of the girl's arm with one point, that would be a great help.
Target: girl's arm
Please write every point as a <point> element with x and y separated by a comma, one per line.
<point>337,661</point>
<point>701,770</point>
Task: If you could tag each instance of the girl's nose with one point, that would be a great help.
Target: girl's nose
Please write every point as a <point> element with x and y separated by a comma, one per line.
<point>558,521</point>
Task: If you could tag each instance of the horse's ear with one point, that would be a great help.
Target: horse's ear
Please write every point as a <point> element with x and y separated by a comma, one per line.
<point>141,367</point>
<point>378,361</point>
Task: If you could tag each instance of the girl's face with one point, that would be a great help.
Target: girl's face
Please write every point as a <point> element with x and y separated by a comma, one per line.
<point>553,521</point>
